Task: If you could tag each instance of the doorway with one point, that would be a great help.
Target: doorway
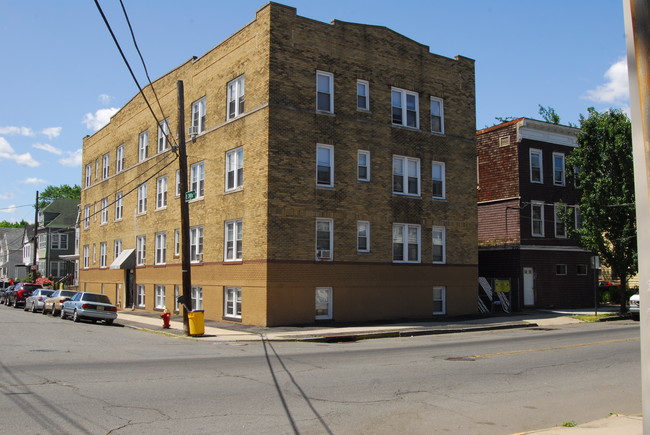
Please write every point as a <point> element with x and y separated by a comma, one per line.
<point>529,287</point>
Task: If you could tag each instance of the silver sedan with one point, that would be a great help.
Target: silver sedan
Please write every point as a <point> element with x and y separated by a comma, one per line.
<point>36,301</point>
<point>89,306</point>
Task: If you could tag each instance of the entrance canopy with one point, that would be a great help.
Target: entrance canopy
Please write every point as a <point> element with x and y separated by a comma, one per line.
<point>126,260</point>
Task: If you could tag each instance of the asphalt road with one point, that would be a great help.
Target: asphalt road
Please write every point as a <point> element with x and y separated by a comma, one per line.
<point>60,377</point>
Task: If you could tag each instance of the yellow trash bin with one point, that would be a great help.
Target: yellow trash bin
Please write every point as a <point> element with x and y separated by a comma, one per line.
<point>196,323</point>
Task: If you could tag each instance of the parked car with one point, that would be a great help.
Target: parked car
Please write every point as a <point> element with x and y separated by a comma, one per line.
<point>4,293</point>
<point>635,310</point>
<point>54,302</point>
<point>21,292</point>
<point>89,306</point>
<point>36,301</point>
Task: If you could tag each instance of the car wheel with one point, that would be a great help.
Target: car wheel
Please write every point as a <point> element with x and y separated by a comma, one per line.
<point>54,311</point>
<point>15,304</point>
<point>44,309</point>
<point>33,310</point>
<point>75,317</point>
<point>109,322</point>
<point>62,314</point>
<point>25,308</point>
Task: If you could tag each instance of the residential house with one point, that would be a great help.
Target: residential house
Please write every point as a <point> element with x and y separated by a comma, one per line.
<point>11,253</point>
<point>332,171</point>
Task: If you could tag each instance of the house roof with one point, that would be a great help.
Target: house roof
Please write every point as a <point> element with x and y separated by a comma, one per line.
<point>61,213</point>
<point>14,237</point>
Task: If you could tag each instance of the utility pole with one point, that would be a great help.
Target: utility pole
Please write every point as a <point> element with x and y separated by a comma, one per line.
<point>34,266</point>
<point>186,279</point>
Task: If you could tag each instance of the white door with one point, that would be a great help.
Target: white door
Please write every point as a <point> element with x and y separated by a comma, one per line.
<point>323,303</point>
<point>529,290</point>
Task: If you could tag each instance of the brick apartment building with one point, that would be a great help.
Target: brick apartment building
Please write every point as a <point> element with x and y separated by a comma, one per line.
<point>334,169</point>
<point>522,185</point>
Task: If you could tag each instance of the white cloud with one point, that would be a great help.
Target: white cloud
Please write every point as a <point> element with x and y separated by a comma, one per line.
<point>616,90</point>
<point>5,196</point>
<point>105,99</point>
<point>33,180</point>
<point>73,159</point>
<point>47,147</point>
<point>52,132</point>
<point>7,152</point>
<point>11,209</point>
<point>20,131</point>
<point>95,121</point>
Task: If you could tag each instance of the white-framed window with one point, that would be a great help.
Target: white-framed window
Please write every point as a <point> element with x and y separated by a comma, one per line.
<point>161,248</point>
<point>104,211</point>
<point>197,298</point>
<point>161,192</point>
<point>139,296</point>
<point>324,92</point>
<point>140,250</point>
<point>143,146</point>
<point>235,169</point>
<point>323,303</point>
<point>405,108</point>
<point>88,173</point>
<point>537,218</point>
<point>406,243</point>
<point>558,169</point>
<point>177,242</point>
<point>159,297</point>
<point>560,225</point>
<point>142,198</point>
<point>178,182</point>
<point>363,236</point>
<point>163,135</point>
<point>324,165</point>
<point>197,179</point>
<point>102,254</point>
<point>59,241</point>
<point>86,256</point>
<point>233,240</point>
<point>232,302</point>
<point>198,115</point>
<point>106,164</point>
<point>117,248</point>
<point>57,268</point>
<point>581,269</point>
<point>439,245</point>
<point>560,269</point>
<point>363,165</point>
<point>324,239</point>
<point>536,167</point>
<point>439,300</point>
<point>437,115</point>
<point>119,206</point>
<point>578,217</point>
<point>196,244</point>
<point>406,175</point>
<point>94,253</point>
<point>438,179</point>
<point>236,97</point>
<point>86,217</point>
<point>363,95</point>
<point>177,293</point>
<point>119,159</point>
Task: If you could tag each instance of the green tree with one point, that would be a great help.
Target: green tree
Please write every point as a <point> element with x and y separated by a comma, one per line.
<point>50,193</point>
<point>549,114</point>
<point>6,224</point>
<point>605,177</point>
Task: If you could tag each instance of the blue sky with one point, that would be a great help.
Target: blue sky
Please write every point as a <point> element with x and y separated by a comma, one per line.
<point>61,76</point>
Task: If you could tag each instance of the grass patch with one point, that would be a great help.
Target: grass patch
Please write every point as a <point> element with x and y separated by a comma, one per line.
<point>592,318</point>
<point>569,424</point>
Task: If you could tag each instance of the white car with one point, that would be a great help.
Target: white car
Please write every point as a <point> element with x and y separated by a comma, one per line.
<point>634,306</point>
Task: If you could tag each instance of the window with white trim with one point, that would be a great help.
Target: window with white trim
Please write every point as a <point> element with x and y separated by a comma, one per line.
<point>558,169</point>
<point>57,268</point>
<point>439,300</point>
<point>560,225</point>
<point>560,269</point>
<point>196,244</point>
<point>234,169</point>
<point>142,198</point>
<point>233,240</point>
<point>438,179</point>
<point>406,243</point>
<point>86,256</point>
<point>537,219</point>
<point>140,250</point>
<point>143,146</point>
<point>198,115</point>
<point>161,248</point>
<point>363,165</point>
<point>324,92</point>
<point>86,217</point>
<point>196,294</point>
<point>324,239</point>
<point>106,164</point>
<point>88,174</point>
<point>102,254</point>
<point>581,269</point>
<point>119,206</point>
<point>536,167</point>
<point>323,303</point>
<point>163,135</point>
<point>159,297</point>
<point>363,95</point>
<point>232,302</point>
<point>178,182</point>
<point>406,175</point>
<point>161,192</point>
<point>117,248</point>
<point>59,241</point>
<point>197,179</point>
<point>104,212</point>
<point>139,296</point>
<point>177,242</point>
<point>578,217</point>
<point>324,165</point>
<point>405,108</point>
<point>177,293</point>
<point>363,236</point>
<point>439,245</point>
<point>236,97</point>
<point>119,159</point>
<point>437,115</point>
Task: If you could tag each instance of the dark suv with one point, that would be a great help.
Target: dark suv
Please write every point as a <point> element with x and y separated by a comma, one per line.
<point>21,292</point>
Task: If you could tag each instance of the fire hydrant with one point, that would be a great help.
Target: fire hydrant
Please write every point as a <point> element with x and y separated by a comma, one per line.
<point>166,316</point>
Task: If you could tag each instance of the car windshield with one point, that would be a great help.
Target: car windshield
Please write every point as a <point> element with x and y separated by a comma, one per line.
<point>47,292</point>
<point>66,293</point>
<point>93,297</point>
<point>32,286</point>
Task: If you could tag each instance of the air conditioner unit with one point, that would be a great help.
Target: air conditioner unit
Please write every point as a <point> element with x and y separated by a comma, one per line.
<point>193,131</point>
<point>199,258</point>
<point>324,255</point>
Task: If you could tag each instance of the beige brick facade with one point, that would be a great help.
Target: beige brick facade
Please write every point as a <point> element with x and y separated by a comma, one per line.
<point>279,55</point>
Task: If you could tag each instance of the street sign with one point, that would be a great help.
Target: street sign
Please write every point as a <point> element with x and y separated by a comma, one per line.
<point>190,195</point>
